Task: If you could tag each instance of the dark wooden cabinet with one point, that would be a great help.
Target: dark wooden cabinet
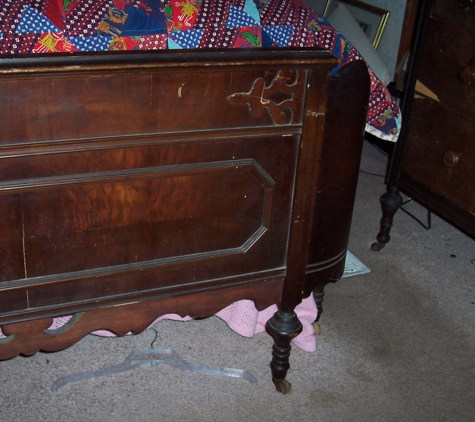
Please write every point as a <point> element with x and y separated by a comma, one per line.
<point>434,159</point>
<point>136,185</point>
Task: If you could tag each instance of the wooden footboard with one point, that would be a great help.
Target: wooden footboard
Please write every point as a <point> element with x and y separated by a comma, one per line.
<point>135,185</point>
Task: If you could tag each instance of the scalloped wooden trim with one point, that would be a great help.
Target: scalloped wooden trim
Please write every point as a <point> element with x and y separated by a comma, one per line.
<point>30,337</point>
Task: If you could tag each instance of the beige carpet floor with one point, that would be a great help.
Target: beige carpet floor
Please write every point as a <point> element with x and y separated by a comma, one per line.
<point>397,344</point>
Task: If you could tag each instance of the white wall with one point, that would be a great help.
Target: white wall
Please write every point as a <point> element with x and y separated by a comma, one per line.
<point>388,49</point>
<point>389,46</point>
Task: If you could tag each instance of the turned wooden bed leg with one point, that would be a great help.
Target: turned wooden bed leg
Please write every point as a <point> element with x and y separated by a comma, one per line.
<point>318,295</point>
<point>391,201</point>
<point>283,327</point>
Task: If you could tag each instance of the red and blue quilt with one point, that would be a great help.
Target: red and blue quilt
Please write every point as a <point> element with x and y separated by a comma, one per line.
<point>65,26</point>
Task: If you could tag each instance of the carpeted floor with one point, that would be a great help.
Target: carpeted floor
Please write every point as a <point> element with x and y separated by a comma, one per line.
<point>397,344</point>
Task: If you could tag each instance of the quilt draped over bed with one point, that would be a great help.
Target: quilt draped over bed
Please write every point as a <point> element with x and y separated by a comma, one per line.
<point>69,26</point>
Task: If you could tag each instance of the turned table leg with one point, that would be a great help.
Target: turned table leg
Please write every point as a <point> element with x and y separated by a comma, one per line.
<point>283,327</point>
<point>391,201</point>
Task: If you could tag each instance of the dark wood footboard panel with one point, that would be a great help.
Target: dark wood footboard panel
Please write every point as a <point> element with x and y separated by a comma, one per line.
<point>137,185</point>
<point>339,167</point>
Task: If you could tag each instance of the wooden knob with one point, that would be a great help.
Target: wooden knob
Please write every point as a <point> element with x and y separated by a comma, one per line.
<point>451,159</point>
<point>468,74</point>
<point>465,4</point>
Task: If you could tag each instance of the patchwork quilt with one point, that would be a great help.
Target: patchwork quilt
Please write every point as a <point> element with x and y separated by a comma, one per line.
<point>78,26</point>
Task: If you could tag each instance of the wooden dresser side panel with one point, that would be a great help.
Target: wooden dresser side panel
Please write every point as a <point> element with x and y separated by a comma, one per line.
<point>447,70</point>
<point>432,144</point>
<point>450,11</point>
<point>438,155</point>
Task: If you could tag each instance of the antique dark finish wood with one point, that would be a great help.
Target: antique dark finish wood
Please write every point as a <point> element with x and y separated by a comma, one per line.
<point>135,185</point>
<point>338,177</point>
<point>434,159</point>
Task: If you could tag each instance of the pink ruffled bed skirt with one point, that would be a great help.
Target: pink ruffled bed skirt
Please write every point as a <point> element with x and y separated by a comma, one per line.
<point>243,318</point>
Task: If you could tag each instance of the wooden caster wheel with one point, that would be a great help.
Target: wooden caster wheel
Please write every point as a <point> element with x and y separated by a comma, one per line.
<point>317,329</point>
<point>377,246</point>
<point>282,386</point>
